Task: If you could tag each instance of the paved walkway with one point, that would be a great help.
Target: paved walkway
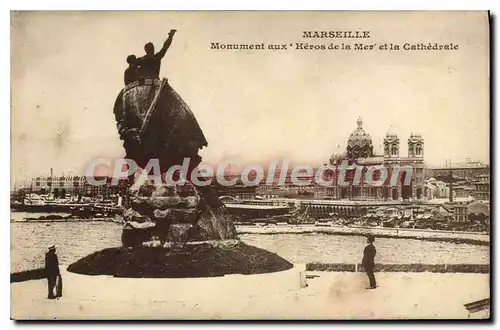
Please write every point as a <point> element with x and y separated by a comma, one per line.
<point>328,296</point>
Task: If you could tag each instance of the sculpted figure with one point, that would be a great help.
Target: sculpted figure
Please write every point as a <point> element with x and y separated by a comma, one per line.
<point>154,122</point>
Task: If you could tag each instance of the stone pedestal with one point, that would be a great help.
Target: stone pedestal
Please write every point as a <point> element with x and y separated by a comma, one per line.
<point>166,214</point>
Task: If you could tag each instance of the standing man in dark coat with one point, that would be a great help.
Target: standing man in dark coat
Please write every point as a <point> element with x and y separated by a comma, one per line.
<point>369,261</point>
<point>52,270</point>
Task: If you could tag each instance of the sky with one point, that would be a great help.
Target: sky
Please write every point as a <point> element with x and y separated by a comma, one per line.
<point>67,69</point>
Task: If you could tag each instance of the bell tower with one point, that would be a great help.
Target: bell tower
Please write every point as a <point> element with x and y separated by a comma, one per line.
<point>415,146</point>
<point>391,146</point>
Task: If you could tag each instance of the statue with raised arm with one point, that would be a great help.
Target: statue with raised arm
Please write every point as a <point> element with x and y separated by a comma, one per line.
<point>150,63</point>
<point>154,122</point>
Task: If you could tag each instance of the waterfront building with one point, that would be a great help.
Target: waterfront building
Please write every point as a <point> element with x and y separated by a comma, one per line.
<point>468,179</point>
<point>360,152</point>
<point>467,171</point>
<point>69,186</point>
<point>58,186</point>
<point>482,187</point>
<point>461,189</point>
<point>441,190</point>
<point>238,190</point>
<point>107,189</point>
<point>458,211</point>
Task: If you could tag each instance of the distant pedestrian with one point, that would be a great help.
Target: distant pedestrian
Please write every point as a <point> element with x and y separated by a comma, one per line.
<point>369,261</point>
<point>52,272</point>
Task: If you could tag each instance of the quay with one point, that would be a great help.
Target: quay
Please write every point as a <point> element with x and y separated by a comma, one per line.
<point>315,206</point>
<point>458,237</point>
<point>433,214</point>
<point>257,211</point>
<point>49,220</point>
<point>329,295</point>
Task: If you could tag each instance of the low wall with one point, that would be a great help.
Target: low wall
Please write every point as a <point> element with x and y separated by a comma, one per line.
<point>290,279</point>
<point>410,268</point>
<point>27,275</point>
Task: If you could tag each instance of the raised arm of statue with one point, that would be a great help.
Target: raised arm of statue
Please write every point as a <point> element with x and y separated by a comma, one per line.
<point>166,44</point>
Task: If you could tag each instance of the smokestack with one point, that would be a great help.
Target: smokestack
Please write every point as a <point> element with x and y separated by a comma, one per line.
<point>451,187</point>
<point>51,172</point>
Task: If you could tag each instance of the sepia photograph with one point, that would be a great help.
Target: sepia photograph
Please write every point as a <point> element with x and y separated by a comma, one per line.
<point>250,165</point>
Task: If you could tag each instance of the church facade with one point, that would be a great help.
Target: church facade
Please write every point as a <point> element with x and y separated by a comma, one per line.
<point>405,174</point>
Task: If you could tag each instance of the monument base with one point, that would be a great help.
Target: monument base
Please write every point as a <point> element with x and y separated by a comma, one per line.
<point>192,259</point>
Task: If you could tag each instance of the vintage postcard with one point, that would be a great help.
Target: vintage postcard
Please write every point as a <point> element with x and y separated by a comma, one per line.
<point>192,165</point>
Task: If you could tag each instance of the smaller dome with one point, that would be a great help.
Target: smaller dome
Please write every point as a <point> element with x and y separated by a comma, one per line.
<point>337,156</point>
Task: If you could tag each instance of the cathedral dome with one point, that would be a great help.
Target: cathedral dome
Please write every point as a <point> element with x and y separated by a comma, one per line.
<point>359,137</point>
<point>359,144</point>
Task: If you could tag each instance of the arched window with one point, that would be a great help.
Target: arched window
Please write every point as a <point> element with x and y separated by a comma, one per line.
<point>394,150</point>
<point>419,149</point>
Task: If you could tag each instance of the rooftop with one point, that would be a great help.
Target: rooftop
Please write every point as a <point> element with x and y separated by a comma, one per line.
<point>255,207</point>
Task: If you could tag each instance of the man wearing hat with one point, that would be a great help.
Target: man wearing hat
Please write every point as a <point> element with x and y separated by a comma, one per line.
<point>52,270</point>
<point>369,261</point>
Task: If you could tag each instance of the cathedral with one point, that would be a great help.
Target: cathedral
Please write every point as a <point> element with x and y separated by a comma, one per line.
<point>360,152</point>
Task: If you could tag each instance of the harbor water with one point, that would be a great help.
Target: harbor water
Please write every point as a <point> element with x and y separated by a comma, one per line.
<point>75,240</point>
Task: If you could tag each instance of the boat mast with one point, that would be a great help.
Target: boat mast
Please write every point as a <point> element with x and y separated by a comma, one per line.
<point>51,182</point>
